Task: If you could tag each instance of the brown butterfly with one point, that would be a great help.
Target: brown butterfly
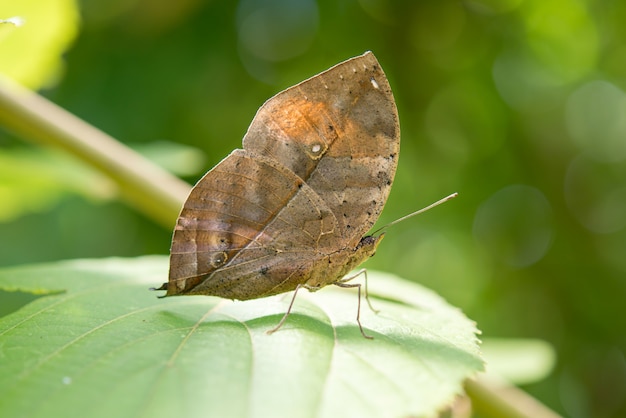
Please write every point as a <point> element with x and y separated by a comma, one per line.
<point>292,207</point>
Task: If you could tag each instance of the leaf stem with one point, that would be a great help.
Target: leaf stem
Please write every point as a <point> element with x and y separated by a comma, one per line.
<point>493,397</point>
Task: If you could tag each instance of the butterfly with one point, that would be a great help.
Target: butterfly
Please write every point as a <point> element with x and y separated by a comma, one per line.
<point>291,209</point>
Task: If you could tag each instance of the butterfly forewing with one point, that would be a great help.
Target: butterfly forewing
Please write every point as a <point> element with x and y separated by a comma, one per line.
<point>339,132</point>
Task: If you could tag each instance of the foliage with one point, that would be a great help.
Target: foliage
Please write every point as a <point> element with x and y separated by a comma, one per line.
<point>33,35</point>
<point>517,105</point>
<point>96,343</point>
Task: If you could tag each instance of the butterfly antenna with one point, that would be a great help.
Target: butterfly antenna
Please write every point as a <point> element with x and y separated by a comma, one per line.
<point>432,205</point>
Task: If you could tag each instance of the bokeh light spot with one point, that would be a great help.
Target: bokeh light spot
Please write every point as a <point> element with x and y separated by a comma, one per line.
<point>465,120</point>
<point>491,7</point>
<point>515,225</point>
<point>381,10</point>
<point>437,25</point>
<point>562,37</point>
<point>276,30</point>
<point>559,45</point>
<point>596,119</point>
<point>596,194</point>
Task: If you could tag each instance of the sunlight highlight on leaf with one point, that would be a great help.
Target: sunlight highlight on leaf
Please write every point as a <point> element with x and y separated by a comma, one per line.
<point>32,51</point>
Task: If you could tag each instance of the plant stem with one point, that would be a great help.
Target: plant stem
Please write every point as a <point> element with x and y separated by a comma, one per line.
<point>493,397</point>
<point>147,187</point>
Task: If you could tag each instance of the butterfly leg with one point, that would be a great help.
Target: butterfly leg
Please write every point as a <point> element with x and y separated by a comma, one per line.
<point>284,318</point>
<point>358,312</point>
<point>344,283</point>
<point>367,293</point>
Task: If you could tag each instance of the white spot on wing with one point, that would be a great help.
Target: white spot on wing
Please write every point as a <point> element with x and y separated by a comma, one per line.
<point>374,83</point>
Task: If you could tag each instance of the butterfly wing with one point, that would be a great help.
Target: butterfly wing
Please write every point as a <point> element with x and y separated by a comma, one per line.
<point>338,132</point>
<point>247,217</point>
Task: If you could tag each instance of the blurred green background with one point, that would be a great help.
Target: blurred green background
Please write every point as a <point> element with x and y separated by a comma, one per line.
<point>518,105</point>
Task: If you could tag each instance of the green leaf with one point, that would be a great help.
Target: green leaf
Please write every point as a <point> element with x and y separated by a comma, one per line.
<point>519,360</point>
<point>32,50</point>
<point>35,180</point>
<point>179,159</point>
<point>106,346</point>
